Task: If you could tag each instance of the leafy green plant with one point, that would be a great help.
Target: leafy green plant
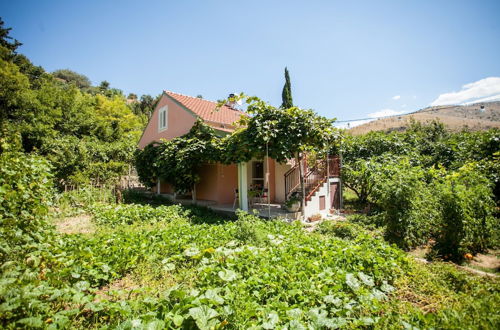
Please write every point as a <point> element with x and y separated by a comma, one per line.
<point>127,214</point>
<point>408,204</point>
<point>26,191</point>
<point>292,200</point>
<point>467,210</point>
<point>340,229</point>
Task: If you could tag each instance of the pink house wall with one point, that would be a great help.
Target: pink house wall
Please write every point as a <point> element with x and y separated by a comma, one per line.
<point>206,189</point>
<point>218,181</point>
<point>227,182</point>
<point>179,122</point>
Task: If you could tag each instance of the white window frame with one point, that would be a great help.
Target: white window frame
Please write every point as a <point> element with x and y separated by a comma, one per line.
<point>163,114</point>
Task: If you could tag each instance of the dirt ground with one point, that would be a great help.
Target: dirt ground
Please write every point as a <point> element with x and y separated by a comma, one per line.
<point>482,264</point>
<point>80,224</point>
<point>488,261</point>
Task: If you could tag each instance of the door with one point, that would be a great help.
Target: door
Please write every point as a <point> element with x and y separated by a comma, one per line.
<point>334,195</point>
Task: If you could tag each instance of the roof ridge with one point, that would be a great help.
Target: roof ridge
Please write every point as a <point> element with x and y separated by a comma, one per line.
<point>202,99</point>
<point>193,97</point>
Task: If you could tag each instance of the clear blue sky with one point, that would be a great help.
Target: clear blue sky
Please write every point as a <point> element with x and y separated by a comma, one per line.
<point>346,59</point>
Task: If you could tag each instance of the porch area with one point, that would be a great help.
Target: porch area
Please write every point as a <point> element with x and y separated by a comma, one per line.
<point>263,186</point>
<point>263,210</point>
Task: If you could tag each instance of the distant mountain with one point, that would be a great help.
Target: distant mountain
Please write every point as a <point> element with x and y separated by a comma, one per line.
<point>477,116</point>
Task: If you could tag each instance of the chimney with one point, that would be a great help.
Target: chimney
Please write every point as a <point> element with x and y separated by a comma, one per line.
<point>231,101</point>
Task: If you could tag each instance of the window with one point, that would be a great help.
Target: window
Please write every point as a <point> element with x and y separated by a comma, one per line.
<point>258,174</point>
<point>163,119</point>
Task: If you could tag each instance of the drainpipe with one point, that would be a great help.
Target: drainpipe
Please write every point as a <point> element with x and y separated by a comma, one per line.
<point>158,187</point>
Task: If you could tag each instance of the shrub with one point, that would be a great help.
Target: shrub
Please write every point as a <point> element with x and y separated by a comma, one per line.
<point>467,208</point>
<point>248,230</point>
<point>340,229</point>
<point>132,196</point>
<point>409,206</point>
<point>369,221</point>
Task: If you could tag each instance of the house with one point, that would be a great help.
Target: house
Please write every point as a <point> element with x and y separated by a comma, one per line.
<point>224,186</point>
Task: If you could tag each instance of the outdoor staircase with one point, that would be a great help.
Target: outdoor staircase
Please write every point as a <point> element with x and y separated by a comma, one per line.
<point>314,177</point>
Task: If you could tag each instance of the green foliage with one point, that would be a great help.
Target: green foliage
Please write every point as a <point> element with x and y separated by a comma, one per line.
<point>286,95</point>
<point>409,206</point>
<point>286,132</point>
<point>132,196</point>
<point>467,211</point>
<point>248,230</point>
<point>177,161</point>
<point>414,202</point>
<point>25,193</point>
<point>341,229</point>
<point>439,296</point>
<point>81,81</point>
<point>124,214</point>
<point>7,41</point>
<point>243,274</point>
<point>427,145</point>
<point>79,200</point>
<point>87,134</point>
<point>360,176</point>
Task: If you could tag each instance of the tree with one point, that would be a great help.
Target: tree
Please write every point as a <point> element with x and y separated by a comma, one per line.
<point>7,41</point>
<point>69,76</point>
<point>104,86</point>
<point>286,95</point>
<point>281,133</point>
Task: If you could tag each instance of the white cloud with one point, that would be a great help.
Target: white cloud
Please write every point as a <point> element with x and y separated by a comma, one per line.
<point>485,99</point>
<point>396,97</point>
<point>384,113</point>
<point>486,89</point>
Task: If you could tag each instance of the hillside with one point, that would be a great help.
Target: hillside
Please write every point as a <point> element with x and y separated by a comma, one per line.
<point>477,116</point>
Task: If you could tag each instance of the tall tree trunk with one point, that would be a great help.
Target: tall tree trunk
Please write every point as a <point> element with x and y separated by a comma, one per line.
<point>302,187</point>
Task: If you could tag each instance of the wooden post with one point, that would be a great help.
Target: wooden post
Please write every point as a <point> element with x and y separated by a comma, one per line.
<point>302,186</point>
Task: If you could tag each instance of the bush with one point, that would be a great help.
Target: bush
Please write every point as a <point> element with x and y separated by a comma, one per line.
<point>340,229</point>
<point>467,208</point>
<point>409,206</point>
<point>369,221</point>
<point>248,230</point>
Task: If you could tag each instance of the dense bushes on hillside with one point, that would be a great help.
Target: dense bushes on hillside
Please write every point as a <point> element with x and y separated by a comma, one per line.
<point>87,133</point>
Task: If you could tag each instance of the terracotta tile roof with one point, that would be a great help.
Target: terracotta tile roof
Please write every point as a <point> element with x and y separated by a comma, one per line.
<point>207,109</point>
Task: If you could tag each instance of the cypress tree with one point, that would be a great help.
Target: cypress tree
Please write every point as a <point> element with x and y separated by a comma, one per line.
<point>286,95</point>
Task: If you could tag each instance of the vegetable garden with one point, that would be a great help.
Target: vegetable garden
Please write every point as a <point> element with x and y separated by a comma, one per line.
<point>173,267</point>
